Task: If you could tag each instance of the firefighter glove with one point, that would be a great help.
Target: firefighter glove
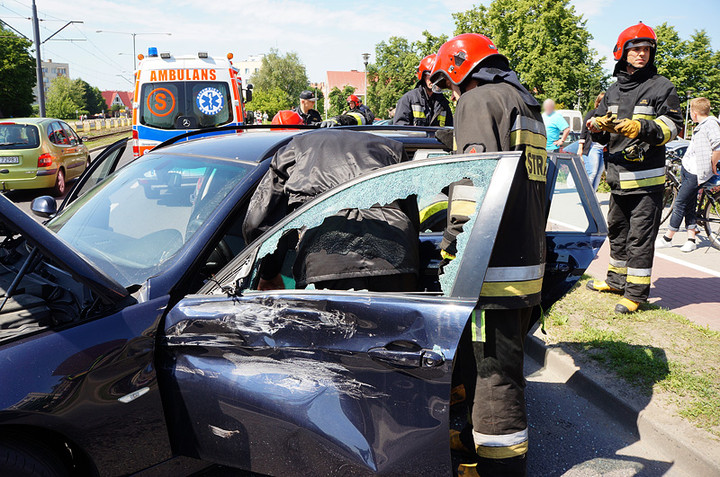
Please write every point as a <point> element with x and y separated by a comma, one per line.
<point>628,128</point>
<point>605,123</point>
<point>329,123</point>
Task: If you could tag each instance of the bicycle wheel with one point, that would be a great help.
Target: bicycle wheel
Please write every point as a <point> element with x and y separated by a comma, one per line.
<point>669,196</point>
<point>711,218</point>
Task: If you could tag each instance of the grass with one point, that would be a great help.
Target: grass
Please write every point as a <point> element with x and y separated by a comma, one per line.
<point>655,351</point>
<point>106,141</point>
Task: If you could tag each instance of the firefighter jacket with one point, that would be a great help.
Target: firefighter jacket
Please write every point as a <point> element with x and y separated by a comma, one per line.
<point>415,108</point>
<point>637,166</point>
<point>379,241</point>
<point>500,115</point>
<point>311,118</point>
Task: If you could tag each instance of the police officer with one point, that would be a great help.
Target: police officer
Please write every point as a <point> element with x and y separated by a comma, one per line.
<point>421,106</point>
<point>307,110</point>
<point>371,249</point>
<point>496,113</point>
<point>638,116</point>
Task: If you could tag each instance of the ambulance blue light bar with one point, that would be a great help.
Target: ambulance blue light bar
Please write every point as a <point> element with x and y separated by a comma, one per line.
<point>152,52</point>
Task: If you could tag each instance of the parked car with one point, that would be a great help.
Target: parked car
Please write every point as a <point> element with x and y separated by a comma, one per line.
<point>40,153</point>
<point>132,336</point>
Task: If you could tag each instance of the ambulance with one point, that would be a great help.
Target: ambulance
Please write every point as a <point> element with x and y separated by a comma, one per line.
<point>177,94</point>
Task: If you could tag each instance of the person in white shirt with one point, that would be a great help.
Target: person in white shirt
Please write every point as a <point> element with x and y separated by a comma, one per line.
<point>698,165</point>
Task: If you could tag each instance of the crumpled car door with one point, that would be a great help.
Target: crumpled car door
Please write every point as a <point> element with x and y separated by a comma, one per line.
<point>319,382</point>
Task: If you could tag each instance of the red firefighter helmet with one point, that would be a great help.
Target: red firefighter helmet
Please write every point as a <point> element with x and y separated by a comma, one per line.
<point>354,99</point>
<point>287,117</point>
<point>426,64</point>
<point>634,36</point>
<point>459,56</point>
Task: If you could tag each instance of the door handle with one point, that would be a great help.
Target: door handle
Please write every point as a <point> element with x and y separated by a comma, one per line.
<point>423,358</point>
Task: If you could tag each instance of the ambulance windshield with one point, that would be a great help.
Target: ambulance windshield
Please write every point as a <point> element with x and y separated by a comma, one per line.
<point>185,105</point>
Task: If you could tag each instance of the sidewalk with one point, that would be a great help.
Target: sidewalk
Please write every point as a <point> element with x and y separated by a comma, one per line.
<point>687,284</point>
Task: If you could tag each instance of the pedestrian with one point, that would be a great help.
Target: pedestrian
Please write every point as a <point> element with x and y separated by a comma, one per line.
<point>556,128</point>
<point>307,110</point>
<point>592,152</point>
<point>264,117</point>
<point>698,165</point>
<point>496,113</point>
<point>374,249</point>
<point>639,114</point>
<point>422,106</point>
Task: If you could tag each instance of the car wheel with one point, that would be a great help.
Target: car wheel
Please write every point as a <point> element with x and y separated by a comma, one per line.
<point>27,459</point>
<point>59,189</point>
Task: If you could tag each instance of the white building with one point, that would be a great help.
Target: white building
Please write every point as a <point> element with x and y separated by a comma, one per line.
<point>51,70</point>
<point>249,66</point>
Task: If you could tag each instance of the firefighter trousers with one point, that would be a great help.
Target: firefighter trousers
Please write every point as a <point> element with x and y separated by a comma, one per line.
<point>491,358</point>
<point>633,223</point>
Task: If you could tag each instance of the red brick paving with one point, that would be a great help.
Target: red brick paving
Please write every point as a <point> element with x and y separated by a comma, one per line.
<point>681,289</point>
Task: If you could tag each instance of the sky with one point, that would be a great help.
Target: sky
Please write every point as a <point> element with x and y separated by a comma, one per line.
<point>327,34</point>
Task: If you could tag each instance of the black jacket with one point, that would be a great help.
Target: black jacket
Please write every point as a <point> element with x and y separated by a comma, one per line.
<point>382,240</point>
<point>500,116</point>
<point>585,134</point>
<point>415,108</point>
<point>652,100</point>
<point>311,118</point>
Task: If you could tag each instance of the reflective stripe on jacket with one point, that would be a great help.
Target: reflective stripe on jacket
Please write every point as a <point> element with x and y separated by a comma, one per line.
<point>415,109</point>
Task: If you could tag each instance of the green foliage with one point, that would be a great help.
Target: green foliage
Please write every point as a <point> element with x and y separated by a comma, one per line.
<point>394,71</point>
<point>270,100</point>
<point>338,99</point>
<point>92,100</point>
<point>284,73</point>
<point>17,70</point>
<point>689,64</point>
<point>546,43</point>
<point>65,98</point>
<point>320,105</point>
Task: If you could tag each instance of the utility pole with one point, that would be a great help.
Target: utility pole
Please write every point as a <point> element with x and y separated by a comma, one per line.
<point>38,61</point>
<point>366,57</point>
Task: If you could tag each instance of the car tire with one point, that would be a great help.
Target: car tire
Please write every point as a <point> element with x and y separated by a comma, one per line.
<point>60,186</point>
<point>27,459</point>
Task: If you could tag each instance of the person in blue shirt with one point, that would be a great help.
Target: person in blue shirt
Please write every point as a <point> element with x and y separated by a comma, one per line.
<point>556,128</point>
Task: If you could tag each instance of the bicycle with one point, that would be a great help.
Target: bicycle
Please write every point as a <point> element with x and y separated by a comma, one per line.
<point>673,164</point>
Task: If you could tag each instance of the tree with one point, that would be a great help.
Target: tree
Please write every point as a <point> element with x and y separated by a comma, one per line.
<point>270,100</point>
<point>17,70</point>
<point>65,98</point>
<point>93,101</point>
<point>394,71</point>
<point>338,99</point>
<point>546,43</point>
<point>283,72</point>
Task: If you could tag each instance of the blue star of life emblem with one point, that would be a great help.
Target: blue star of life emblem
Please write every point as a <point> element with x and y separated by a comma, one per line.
<point>210,101</point>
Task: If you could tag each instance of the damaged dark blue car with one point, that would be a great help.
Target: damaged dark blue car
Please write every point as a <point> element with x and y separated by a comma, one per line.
<point>133,340</point>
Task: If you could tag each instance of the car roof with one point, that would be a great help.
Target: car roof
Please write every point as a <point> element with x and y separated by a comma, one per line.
<point>27,120</point>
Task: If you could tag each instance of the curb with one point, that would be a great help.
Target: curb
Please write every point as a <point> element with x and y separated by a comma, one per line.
<point>686,445</point>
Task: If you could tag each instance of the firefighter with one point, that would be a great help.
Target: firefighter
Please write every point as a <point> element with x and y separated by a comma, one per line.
<point>369,115</point>
<point>638,116</point>
<point>353,117</point>
<point>307,110</point>
<point>355,106</point>
<point>496,113</point>
<point>422,106</point>
<point>373,249</point>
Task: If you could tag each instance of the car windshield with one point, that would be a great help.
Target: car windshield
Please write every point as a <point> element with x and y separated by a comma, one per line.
<point>185,105</point>
<point>134,222</point>
<point>18,136</point>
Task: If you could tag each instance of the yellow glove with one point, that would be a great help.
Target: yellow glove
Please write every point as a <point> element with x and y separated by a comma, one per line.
<point>605,123</point>
<point>628,128</point>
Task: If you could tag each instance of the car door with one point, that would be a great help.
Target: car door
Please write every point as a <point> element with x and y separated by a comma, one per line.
<point>300,382</point>
<point>75,153</point>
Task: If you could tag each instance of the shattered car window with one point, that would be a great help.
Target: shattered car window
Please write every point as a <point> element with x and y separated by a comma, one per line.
<point>421,178</point>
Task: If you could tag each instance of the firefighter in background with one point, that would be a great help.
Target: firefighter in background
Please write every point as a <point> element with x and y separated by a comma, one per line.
<point>638,116</point>
<point>353,117</point>
<point>356,106</point>
<point>422,106</point>
<point>496,113</point>
<point>369,115</point>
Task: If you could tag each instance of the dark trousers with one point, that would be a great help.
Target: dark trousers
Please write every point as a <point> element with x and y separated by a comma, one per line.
<point>686,203</point>
<point>490,360</point>
<point>633,223</point>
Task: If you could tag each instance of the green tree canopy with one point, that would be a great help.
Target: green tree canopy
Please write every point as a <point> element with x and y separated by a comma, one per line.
<point>92,100</point>
<point>17,70</point>
<point>394,71</point>
<point>270,100</point>
<point>338,99</point>
<point>546,43</point>
<point>280,72</point>
<point>65,98</point>
<point>692,65</point>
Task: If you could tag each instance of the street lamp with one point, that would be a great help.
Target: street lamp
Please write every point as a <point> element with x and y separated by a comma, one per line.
<point>366,57</point>
<point>688,95</point>
<point>133,37</point>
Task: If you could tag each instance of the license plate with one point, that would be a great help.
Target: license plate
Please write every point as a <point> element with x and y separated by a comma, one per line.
<point>9,159</point>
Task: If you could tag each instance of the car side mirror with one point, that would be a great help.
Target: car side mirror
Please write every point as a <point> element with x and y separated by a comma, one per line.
<point>248,93</point>
<point>44,206</point>
<point>84,139</point>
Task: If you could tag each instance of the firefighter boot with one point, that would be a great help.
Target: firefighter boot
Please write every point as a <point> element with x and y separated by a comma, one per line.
<point>625,306</point>
<point>467,470</point>
<point>459,441</point>
<point>601,286</point>
<point>514,467</point>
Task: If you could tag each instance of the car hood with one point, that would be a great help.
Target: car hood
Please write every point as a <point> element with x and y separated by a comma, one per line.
<point>61,253</point>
